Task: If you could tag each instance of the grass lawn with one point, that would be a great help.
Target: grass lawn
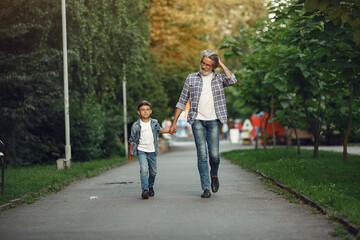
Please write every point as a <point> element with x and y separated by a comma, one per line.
<point>31,180</point>
<point>327,180</point>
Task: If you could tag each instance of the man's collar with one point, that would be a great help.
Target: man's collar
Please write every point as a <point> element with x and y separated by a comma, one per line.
<point>213,71</point>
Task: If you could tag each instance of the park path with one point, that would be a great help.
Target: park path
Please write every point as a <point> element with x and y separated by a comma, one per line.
<point>242,209</point>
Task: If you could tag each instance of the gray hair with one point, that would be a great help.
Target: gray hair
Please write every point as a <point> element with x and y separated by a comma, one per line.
<point>212,55</point>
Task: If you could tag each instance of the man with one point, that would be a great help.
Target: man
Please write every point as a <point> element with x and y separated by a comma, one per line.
<point>205,91</point>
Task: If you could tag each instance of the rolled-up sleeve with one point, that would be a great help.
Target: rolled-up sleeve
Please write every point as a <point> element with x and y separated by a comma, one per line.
<point>132,135</point>
<point>228,81</point>
<point>184,97</point>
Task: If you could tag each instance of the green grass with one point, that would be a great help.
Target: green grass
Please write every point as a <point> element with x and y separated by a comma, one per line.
<point>326,180</point>
<point>32,180</point>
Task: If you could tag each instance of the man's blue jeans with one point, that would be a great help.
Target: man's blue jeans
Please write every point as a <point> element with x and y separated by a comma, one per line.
<point>148,169</point>
<point>206,134</point>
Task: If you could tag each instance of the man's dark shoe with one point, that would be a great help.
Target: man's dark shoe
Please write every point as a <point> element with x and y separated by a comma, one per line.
<point>151,192</point>
<point>214,184</point>
<point>145,195</point>
<point>206,194</point>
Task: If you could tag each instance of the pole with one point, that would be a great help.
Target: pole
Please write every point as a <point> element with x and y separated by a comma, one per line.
<point>2,173</point>
<point>2,169</point>
<point>125,113</point>
<point>66,89</point>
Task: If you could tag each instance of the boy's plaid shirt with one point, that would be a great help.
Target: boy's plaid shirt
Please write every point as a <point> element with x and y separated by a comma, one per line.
<point>192,90</point>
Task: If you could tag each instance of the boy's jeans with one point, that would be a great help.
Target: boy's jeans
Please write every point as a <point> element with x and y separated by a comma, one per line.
<point>206,134</point>
<point>148,169</point>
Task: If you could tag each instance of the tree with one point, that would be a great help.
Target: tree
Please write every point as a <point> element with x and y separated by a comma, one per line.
<point>343,13</point>
<point>344,64</point>
<point>102,38</point>
<point>312,62</point>
<point>342,21</point>
<point>113,45</point>
<point>29,74</point>
<point>181,29</point>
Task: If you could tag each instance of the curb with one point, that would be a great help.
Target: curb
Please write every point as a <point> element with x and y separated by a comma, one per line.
<point>352,228</point>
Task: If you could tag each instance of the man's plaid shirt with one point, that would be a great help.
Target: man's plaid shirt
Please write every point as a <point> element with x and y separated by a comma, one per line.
<point>192,90</point>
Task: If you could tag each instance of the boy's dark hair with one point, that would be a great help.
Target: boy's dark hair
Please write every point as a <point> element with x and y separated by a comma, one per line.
<point>144,103</point>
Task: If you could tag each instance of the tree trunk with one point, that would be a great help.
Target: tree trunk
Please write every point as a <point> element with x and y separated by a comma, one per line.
<point>257,137</point>
<point>266,135</point>
<point>349,124</point>
<point>272,123</point>
<point>316,144</point>
<point>298,142</point>
<point>316,126</point>
<point>260,131</point>
<point>289,138</point>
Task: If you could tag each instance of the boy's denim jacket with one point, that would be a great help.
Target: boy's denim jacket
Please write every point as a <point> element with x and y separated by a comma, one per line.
<point>135,135</point>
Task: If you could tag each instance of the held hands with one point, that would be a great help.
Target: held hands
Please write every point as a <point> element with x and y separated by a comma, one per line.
<point>173,129</point>
<point>164,130</point>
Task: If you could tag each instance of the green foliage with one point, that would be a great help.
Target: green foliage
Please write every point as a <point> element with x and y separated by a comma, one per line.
<point>300,63</point>
<point>88,130</point>
<point>329,182</point>
<point>113,128</point>
<point>107,41</point>
<point>108,53</point>
<point>146,84</point>
<point>345,13</point>
<point>236,109</point>
<point>339,232</point>
<point>29,75</point>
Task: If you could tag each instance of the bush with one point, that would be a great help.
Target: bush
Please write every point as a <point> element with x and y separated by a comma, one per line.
<point>87,130</point>
<point>112,144</point>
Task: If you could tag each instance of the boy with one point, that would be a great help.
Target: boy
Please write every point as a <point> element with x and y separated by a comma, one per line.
<point>143,141</point>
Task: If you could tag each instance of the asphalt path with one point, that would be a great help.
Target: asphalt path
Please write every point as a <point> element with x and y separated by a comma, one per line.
<point>109,206</point>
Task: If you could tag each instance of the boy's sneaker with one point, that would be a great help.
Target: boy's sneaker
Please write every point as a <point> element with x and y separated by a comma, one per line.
<point>145,194</point>
<point>206,194</point>
<point>151,192</point>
